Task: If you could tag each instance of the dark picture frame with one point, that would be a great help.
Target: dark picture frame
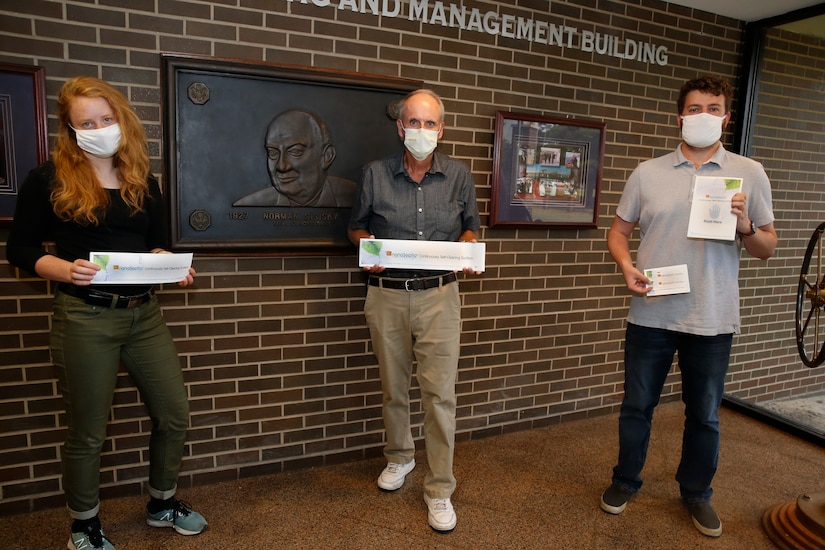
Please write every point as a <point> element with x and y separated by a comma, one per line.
<point>24,137</point>
<point>217,115</point>
<point>547,171</point>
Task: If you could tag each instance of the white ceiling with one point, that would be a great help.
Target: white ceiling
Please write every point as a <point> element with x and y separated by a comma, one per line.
<point>747,10</point>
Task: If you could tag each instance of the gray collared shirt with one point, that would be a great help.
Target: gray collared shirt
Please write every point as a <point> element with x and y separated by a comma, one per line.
<point>391,205</point>
<point>658,196</point>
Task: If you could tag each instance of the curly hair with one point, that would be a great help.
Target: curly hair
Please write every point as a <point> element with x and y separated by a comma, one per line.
<point>708,84</point>
<point>77,195</point>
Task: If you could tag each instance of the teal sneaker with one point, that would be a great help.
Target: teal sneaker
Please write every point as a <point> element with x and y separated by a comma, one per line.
<point>178,515</point>
<point>92,537</point>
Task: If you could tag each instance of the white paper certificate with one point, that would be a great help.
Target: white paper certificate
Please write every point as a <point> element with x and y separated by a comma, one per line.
<point>128,268</point>
<point>672,279</point>
<point>399,253</point>
<point>710,215</point>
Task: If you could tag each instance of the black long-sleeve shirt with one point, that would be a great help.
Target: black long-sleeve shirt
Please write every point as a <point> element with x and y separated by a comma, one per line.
<point>119,229</point>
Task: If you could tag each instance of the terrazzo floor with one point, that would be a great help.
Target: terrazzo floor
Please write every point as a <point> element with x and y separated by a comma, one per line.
<point>536,489</point>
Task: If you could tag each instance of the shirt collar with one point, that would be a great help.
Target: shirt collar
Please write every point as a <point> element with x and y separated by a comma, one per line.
<point>436,168</point>
<point>718,157</point>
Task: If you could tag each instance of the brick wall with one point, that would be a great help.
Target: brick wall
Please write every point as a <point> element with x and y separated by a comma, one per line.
<point>275,349</point>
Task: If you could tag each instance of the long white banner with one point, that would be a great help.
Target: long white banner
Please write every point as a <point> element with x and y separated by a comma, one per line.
<point>399,253</point>
<point>127,268</point>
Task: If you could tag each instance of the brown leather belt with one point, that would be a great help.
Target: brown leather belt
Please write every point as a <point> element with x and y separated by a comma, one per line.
<point>105,299</point>
<point>411,285</point>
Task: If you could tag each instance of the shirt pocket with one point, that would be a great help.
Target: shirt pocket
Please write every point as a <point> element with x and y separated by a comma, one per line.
<point>447,221</point>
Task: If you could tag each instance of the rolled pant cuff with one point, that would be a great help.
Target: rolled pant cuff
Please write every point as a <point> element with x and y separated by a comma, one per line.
<point>162,495</point>
<point>89,514</point>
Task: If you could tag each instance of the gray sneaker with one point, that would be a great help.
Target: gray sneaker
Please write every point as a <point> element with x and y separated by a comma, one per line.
<point>705,518</point>
<point>614,499</point>
<point>392,477</point>
<point>179,516</point>
<point>89,539</point>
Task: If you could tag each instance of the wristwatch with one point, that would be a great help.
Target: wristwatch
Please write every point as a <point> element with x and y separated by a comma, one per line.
<point>753,230</point>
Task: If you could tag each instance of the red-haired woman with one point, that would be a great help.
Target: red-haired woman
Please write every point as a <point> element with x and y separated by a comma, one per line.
<point>96,194</point>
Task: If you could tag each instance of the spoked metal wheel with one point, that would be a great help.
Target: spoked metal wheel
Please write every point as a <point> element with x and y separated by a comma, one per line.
<point>810,300</point>
<point>800,525</point>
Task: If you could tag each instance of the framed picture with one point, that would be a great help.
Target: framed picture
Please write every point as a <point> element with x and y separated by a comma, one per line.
<point>24,140</point>
<point>265,158</point>
<point>546,171</point>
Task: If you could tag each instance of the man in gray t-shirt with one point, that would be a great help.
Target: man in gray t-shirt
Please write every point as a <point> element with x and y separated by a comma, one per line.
<point>698,324</point>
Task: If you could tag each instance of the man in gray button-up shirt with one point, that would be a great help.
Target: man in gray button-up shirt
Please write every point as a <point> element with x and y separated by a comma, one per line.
<point>415,315</point>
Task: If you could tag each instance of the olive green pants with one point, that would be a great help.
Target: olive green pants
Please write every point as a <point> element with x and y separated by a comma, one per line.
<point>88,344</point>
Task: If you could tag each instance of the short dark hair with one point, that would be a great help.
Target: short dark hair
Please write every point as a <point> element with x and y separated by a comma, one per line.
<point>708,84</point>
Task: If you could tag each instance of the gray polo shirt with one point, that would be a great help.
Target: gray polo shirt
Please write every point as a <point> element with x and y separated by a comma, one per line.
<point>390,205</point>
<point>657,196</point>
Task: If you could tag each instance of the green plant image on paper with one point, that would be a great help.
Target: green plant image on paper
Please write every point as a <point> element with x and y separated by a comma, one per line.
<point>371,247</point>
<point>732,183</point>
<point>101,259</point>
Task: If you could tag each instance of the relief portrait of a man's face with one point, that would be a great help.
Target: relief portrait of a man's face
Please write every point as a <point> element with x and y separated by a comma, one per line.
<point>299,153</point>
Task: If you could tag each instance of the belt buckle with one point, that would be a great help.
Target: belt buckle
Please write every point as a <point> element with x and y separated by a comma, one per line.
<point>409,288</point>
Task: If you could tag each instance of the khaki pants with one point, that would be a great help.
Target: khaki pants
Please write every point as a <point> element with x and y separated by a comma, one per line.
<point>422,326</point>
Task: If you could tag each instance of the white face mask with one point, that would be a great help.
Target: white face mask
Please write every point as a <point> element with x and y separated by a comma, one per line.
<point>420,142</point>
<point>702,130</point>
<point>100,142</point>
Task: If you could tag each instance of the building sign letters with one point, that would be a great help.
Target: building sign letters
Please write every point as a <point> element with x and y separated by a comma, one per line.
<point>505,25</point>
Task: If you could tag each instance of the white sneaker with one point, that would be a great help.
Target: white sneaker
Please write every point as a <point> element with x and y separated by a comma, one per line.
<point>441,515</point>
<point>393,475</point>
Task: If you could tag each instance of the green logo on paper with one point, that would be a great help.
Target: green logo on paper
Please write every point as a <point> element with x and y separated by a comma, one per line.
<point>732,183</point>
<point>371,247</point>
<point>102,260</point>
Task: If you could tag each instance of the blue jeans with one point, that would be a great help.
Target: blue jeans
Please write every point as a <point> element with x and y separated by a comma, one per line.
<point>703,362</point>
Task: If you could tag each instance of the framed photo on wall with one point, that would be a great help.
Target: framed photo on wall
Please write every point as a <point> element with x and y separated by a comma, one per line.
<point>264,157</point>
<point>24,141</point>
<point>546,171</point>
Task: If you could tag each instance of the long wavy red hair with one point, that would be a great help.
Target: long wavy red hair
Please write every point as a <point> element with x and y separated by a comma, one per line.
<point>77,194</point>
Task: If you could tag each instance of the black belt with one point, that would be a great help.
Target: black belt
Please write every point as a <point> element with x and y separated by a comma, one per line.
<point>413,284</point>
<point>105,299</point>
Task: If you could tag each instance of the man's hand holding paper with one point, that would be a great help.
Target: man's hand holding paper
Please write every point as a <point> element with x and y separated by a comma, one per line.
<point>672,279</point>
<point>711,209</point>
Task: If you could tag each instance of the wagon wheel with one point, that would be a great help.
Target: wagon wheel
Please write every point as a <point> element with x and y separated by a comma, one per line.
<point>800,524</point>
<point>810,300</point>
